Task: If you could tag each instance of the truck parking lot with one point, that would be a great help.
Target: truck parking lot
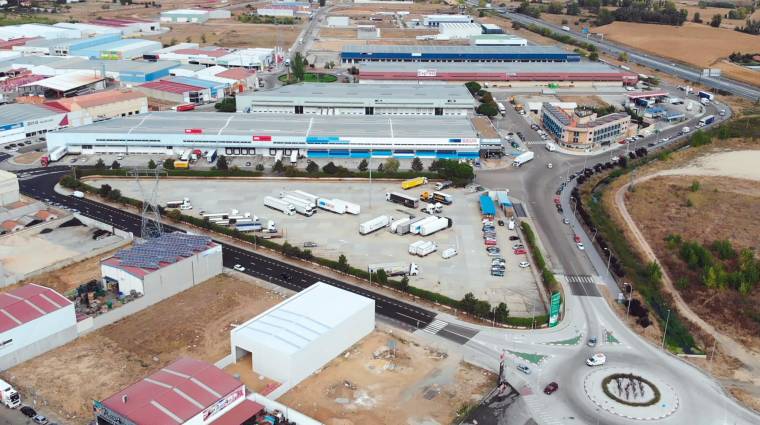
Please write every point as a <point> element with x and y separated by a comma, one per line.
<point>336,234</point>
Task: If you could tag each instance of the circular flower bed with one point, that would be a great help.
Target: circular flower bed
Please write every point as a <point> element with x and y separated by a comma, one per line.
<point>637,385</point>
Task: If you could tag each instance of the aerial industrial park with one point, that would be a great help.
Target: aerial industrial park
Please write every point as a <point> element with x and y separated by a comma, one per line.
<point>378,212</point>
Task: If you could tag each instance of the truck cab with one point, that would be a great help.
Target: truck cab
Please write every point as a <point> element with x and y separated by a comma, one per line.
<point>9,395</point>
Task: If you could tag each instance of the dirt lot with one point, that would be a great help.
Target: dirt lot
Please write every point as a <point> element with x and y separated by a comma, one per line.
<point>364,11</point>
<point>28,158</point>
<point>369,385</point>
<point>195,323</point>
<point>695,44</point>
<point>108,9</point>
<point>739,72</point>
<point>232,34</point>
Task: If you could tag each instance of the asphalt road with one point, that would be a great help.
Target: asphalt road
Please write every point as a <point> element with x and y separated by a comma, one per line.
<point>40,183</point>
<point>668,66</point>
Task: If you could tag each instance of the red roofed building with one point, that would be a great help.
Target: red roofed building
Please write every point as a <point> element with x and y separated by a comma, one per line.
<point>105,104</point>
<point>33,320</point>
<point>170,91</point>
<point>187,391</point>
<point>164,266</point>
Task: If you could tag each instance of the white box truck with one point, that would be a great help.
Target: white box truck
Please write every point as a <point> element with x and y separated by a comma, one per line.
<point>396,223</point>
<point>523,158</point>
<point>9,395</point>
<point>426,248</point>
<point>375,224</point>
<point>279,205</point>
<point>415,228</point>
<point>394,269</point>
<point>414,246</point>
<point>329,205</point>
<point>440,224</point>
<point>403,228</point>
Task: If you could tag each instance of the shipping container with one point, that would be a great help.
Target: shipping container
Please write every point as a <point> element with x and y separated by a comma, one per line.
<point>417,181</point>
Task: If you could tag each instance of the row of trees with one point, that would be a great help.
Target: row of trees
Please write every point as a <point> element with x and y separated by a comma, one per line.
<point>654,13</point>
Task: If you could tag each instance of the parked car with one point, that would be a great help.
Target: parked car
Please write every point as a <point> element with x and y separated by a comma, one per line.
<point>520,251</point>
<point>551,388</point>
<point>524,264</point>
<point>514,238</point>
<point>577,238</point>
<point>580,246</point>
<point>500,222</point>
<point>39,419</point>
<point>518,246</point>
<point>238,267</point>
<point>565,221</point>
<point>309,244</point>
<point>524,369</point>
<point>28,411</point>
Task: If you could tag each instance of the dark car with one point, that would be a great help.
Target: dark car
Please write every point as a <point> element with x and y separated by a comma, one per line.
<point>551,388</point>
<point>28,411</point>
<point>500,222</point>
<point>284,276</point>
<point>514,238</point>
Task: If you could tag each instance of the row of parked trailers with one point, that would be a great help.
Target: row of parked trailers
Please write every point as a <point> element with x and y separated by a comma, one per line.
<point>304,203</point>
<point>423,226</point>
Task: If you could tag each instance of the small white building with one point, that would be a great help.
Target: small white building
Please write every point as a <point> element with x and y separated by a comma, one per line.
<point>161,267</point>
<point>436,20</point>
<point>338,21</point>
<point>33,320</point>
<point>267,11</point>
<point>455,30</point>
<point>293,339</point>
<point>196,16</point>
<point>9,188</point>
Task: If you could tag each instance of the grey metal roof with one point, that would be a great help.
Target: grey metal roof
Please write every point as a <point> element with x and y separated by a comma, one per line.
<point>31,60</point>
<point>240,124</point>
<point>13,113</point>
<point>312,94</point>
<point>116,65</point>
<point>427,49</point>
<point>482,68</point>
<point>190,67</point>
<point>41,42</point>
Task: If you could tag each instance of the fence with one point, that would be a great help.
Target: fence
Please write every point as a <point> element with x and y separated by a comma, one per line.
<point>290,414</point>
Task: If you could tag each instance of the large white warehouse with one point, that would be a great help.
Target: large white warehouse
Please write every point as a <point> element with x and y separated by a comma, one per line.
<point>303,333</point>
<point>33,320</point>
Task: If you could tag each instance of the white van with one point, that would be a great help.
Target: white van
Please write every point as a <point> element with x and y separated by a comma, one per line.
<point>448,253</point>
<point>511,225</point>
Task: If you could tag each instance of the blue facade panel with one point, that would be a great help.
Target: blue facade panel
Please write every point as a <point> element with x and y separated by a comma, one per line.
<point>469,155</point>
<point>317,154</point>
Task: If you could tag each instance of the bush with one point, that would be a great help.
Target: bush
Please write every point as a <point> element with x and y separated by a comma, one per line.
<point>417,164</point>
<point>221,163</point>
<point>168,164</point>
<point>312,168</point>
<point>363,165</point>
<point>391,165</point>
<point>226,105</point>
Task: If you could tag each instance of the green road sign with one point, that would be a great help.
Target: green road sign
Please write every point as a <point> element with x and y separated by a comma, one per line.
<point>554,309</point>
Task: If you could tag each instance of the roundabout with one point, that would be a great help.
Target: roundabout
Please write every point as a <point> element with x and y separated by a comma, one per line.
<point>633,396</point>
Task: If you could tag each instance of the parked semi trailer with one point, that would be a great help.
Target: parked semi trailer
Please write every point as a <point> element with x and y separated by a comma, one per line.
<point>523,158</point>
<point>301,206</point>
<point>395,224</point>
<point>350,207</point>
<point>404,228</point>
<point>417,181</point>
<point>440,224</point>
<point>306,195</point>
<point>375,224</point>
<point>279,205</point>
<point>303,199</point>
<point>394,269</point>
<point>329,205</point>
<point>415,228</point>
<point>400,198</point>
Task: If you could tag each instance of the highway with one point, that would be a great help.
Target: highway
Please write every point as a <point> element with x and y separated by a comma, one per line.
<point>668,66</point>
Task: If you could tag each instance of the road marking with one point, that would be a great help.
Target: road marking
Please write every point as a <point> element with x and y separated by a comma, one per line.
<point>435,326</point>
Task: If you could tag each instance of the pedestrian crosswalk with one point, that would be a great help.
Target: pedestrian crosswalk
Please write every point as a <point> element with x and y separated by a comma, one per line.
<point>435,326</point>
<point>582,285</point>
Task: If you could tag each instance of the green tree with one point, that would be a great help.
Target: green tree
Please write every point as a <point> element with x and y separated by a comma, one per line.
<point>382,277</point>
<point>221,163</point>
<point>404,284</point>
<point>330,168</point>
<point>380,168</point>
<point>468,302</point>
<point>716,20</point>
<point>278,167</point>
<point>343,262</point>
<point>593,56</point>
<point>487,97</point>
<point>488,109</point>
<point>168,164</point>
<point>502,313</point>
<point>555,8</point>
<point>297,67</point>
<point>100,165</point>
<point>312,168</point>
<point>104,190</point>
<point>604,17</point>
<point>473,87</point>
<point>115,165</point>
<point>573,9</point>
<point>226,105</point>
<point>623,57</point>
<point>695,186</point>
<point>697,18</point>
<point>417,165</point>
<point>391,165</point>
<point>259,167</point>
<point>363,165</point>
<point>152,164</point>
<point>114,195</point>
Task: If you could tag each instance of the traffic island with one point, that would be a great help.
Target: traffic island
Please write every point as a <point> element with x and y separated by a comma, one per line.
<point>623,393</point>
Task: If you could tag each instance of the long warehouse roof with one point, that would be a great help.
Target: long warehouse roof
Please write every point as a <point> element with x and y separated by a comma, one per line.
<point>381,93</point>
<point>485,68</point>
<point>240,124</point>
<point>377,48</point>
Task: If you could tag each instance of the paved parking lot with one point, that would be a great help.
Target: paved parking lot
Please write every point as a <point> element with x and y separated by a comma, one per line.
<point>334,234</point>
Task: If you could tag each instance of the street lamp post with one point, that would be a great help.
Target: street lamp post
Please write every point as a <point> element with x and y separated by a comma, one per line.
<point>609,258</point>
<point>630,296</point>
<point>666,330</point>
<point>593,238</point>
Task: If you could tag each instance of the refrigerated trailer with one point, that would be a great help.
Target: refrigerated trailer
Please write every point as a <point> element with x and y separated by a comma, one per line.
<point>349,207</point>
<point>301,206</point>
<point>299,198</point>
<point>400,198</point>
<point>279,205</point>
<point>394,269</point>
<point>376,223</point>
<point>440,224</point>
<point>415,228</point>
<point>306,195</point>
<point>329,205</point>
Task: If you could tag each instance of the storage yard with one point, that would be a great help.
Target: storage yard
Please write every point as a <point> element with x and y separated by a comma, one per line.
<point>195,323</point>
<point>386,379</point>
<point>334,234</point>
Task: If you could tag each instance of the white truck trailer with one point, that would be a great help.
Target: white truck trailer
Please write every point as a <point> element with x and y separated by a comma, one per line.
<point>306,195</point>
<point>350,207</point>
<point>329,205</point>
<point>375,224</point>
<point>403,228</point>
<point>415,228</point>
<point>9,396</point>
<point>394,225</point>
<point>279,205</point>
<point>430,228</point>
<point>301,206</point>
<point>523,158</point>
<point>300,198</point>
<point>422,248</point>
<point>394,269</point>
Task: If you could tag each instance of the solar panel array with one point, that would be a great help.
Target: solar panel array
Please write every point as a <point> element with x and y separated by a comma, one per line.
<point>168,248</point>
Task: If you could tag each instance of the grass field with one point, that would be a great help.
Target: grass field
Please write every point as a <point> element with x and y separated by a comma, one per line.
<point>311,77</point>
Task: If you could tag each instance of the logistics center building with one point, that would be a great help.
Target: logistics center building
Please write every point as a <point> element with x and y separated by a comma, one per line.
<point>169,133</point>
<point>506,74</point>
<point>582,129</point>
<point>359,99</point>
<point>413,53</point>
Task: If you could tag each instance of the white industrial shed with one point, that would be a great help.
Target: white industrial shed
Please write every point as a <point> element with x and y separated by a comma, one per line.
<point>9,188</point>
<point>303,333</point>
<point>33,320</point>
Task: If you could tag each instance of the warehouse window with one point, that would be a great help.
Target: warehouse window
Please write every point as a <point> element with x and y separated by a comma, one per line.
<point>6,343</point>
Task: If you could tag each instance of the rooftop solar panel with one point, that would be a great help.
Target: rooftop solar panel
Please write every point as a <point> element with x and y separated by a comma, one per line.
<point>165,249</point>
